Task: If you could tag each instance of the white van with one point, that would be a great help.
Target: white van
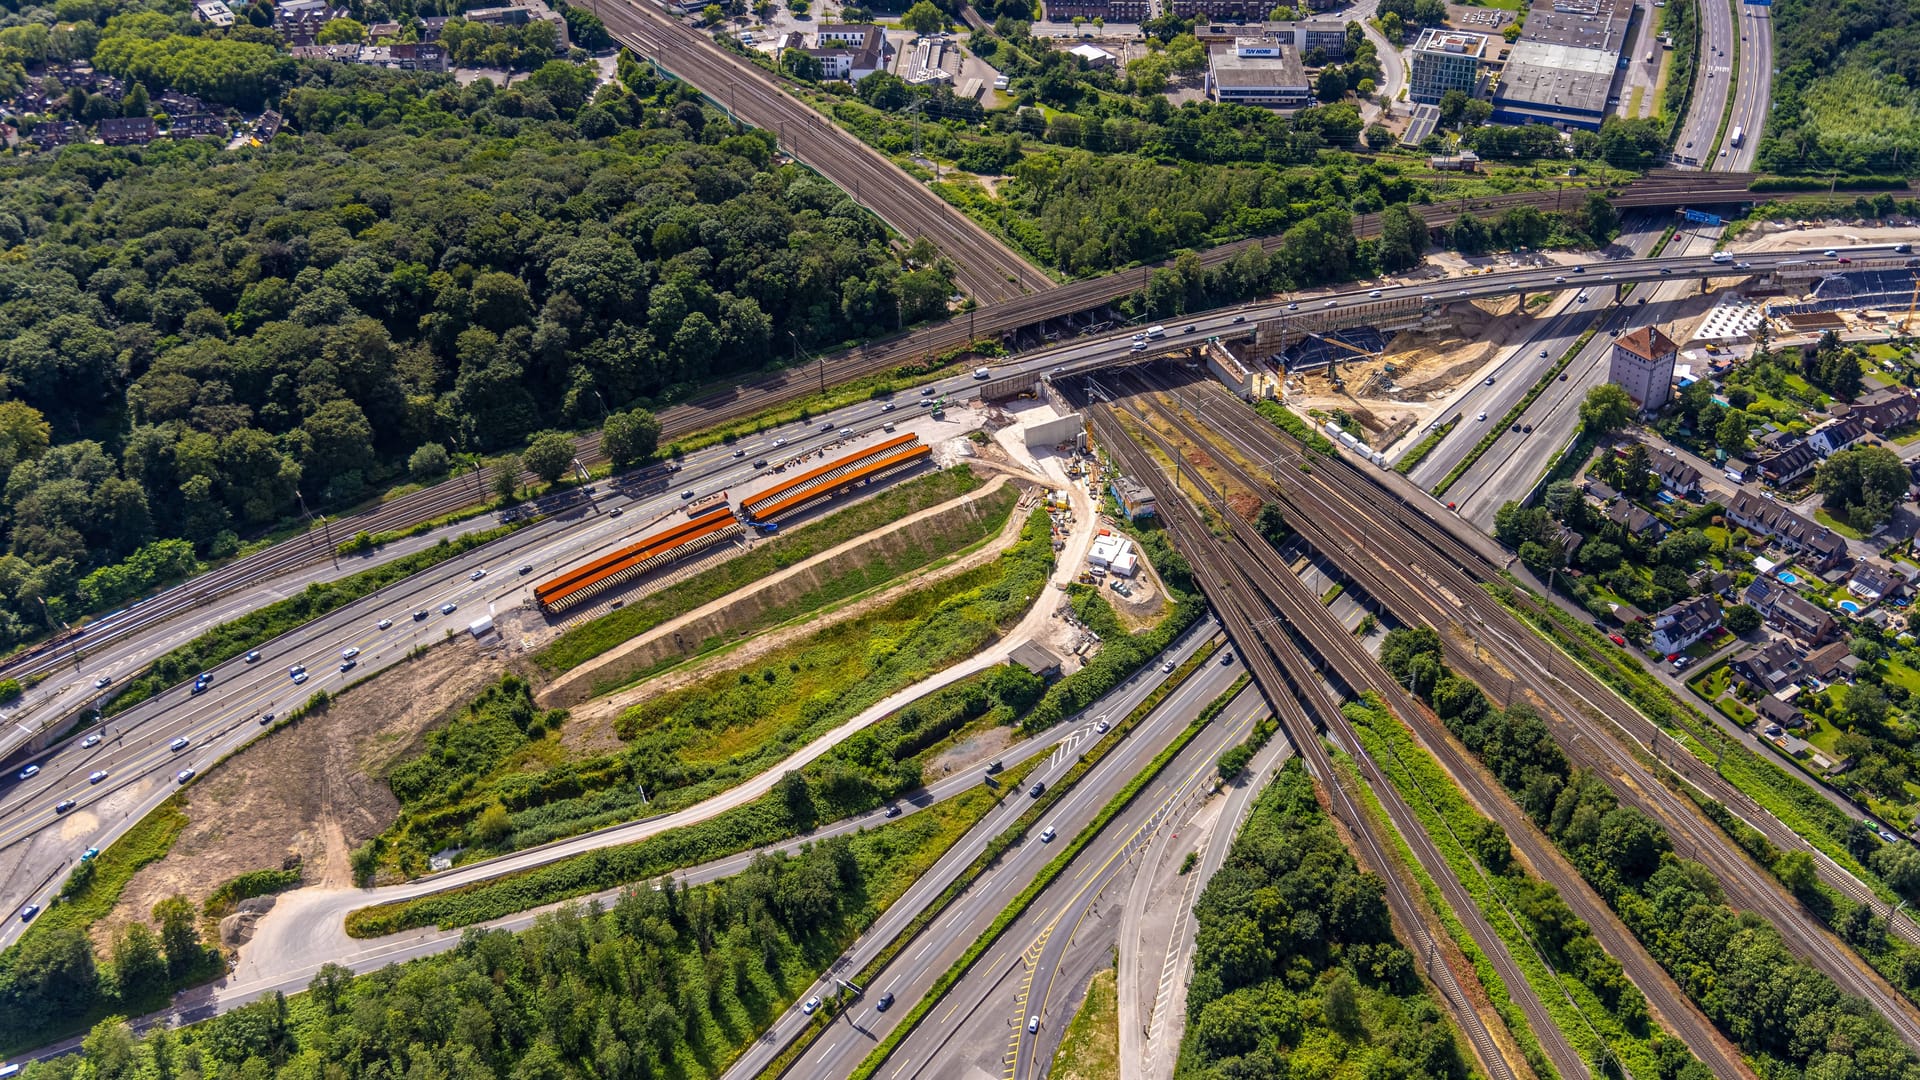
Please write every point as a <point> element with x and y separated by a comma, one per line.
<point>1156,331</point>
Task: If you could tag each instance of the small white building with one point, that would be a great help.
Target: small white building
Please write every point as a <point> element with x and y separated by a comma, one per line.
<point>849,51</point>
<point>1107,549</point>
<point>213,13</point>
<point>1094,56</point>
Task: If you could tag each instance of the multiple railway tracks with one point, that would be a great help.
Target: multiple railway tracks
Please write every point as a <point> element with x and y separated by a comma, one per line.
<point>1416,568</point>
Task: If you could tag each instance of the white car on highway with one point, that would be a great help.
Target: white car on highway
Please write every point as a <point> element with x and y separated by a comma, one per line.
<point>90,741</point>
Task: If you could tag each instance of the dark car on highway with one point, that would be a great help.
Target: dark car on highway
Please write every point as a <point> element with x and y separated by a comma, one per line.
<point>1038,789</point>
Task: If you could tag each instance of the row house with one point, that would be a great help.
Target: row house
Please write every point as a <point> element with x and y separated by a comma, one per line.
<point>1815,544</point>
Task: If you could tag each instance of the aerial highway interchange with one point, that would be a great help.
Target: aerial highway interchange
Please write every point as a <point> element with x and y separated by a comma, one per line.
<point>1007,1012</point>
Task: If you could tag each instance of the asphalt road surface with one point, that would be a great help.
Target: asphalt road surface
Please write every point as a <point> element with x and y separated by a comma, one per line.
<point>291,970</point>
<point>909,977</point>
<point>1039,967</point>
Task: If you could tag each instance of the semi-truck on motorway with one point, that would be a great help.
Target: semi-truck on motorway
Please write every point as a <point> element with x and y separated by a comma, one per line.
<point>1734,138</point>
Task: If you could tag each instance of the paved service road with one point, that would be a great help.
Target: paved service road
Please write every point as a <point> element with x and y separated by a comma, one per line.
<point>264,970</point>
<point>909,977</point>
<point>1038,970</point>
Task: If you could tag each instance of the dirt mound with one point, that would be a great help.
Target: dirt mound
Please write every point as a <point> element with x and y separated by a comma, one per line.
<point>313,789</point>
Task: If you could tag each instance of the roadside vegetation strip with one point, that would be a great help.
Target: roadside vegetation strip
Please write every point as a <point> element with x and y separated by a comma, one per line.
<point>475,785</point>
<point>1513,415</point>
<point>1090,1049</point>
<point>1629,859</point>
<point>52,986</point>
<point>1498,995</point>
<point>582,643</point>
<point>998,845</point>
<point>1290,422</point>
<point>888,760</point>
<point>250,631</point>
<point>1515,901</point>
<point>1419,451</point>
<point>1018,907</point>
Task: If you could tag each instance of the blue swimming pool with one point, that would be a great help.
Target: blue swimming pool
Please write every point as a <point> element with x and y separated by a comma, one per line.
<point>1849,607</point>
<point>1787,577</point>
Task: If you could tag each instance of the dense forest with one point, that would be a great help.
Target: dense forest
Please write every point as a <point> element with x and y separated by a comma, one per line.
<point>197,343</point>
<point>1296,971</point>
<point>1847,96</point>
<point>668,983</point>
<point>1791,1019</point>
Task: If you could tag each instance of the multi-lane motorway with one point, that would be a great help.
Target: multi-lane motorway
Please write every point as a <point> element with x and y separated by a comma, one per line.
<point>211,720</point>
<point>269,966</point>
<point>135,749</point>
<point>912,973</point>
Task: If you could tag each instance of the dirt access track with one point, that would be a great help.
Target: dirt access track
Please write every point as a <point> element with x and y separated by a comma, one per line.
<point>678,637</point>
<point>313,790</point>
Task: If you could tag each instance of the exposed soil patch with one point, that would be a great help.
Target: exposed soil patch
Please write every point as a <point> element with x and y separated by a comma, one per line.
<point>311,791</point>
<point>973,750</point>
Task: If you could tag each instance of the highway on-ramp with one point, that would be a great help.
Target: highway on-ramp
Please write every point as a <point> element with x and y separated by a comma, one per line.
<point>258,976</point>
<point>909,977</point>
<point>1007,1016</point>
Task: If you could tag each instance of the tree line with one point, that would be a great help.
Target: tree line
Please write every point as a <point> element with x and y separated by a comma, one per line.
<point>1787,1016</point>
<point>1296,970</point>
<point>198,345</point>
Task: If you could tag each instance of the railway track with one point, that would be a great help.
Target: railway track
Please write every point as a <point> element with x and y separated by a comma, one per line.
<point>1418,570</point>
<point>1343,653</point>
<point>988,269</point>
<point>748,398</point>
<point>1300,697</point>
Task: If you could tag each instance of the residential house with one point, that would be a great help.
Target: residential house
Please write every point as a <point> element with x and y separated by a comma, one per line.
<point>1872,582</point>
<point>1774,710</point>
<point>1676,476</point>
<point>1769,668</point>
<point>1789,465</point>
<point>1884,410</point>
<point>195,125</point>
<point>299,21</point>
<point>1801,619</point>
<point>1637,522</point>
<point>1710,581</point>
<point>1567,541</point>
<point>1829,661</point>
<point>268,127</point>
<point>423,56</point>
<point>128,131</point>
<point>1818,546</point>
<point>1684,623</point>
<point>1601,492</point>
<point>52,133</point>
<point>1836,435</point>
<point>175,103</point>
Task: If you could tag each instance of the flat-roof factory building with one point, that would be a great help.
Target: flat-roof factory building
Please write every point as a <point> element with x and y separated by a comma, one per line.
<point>1562,69</point>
